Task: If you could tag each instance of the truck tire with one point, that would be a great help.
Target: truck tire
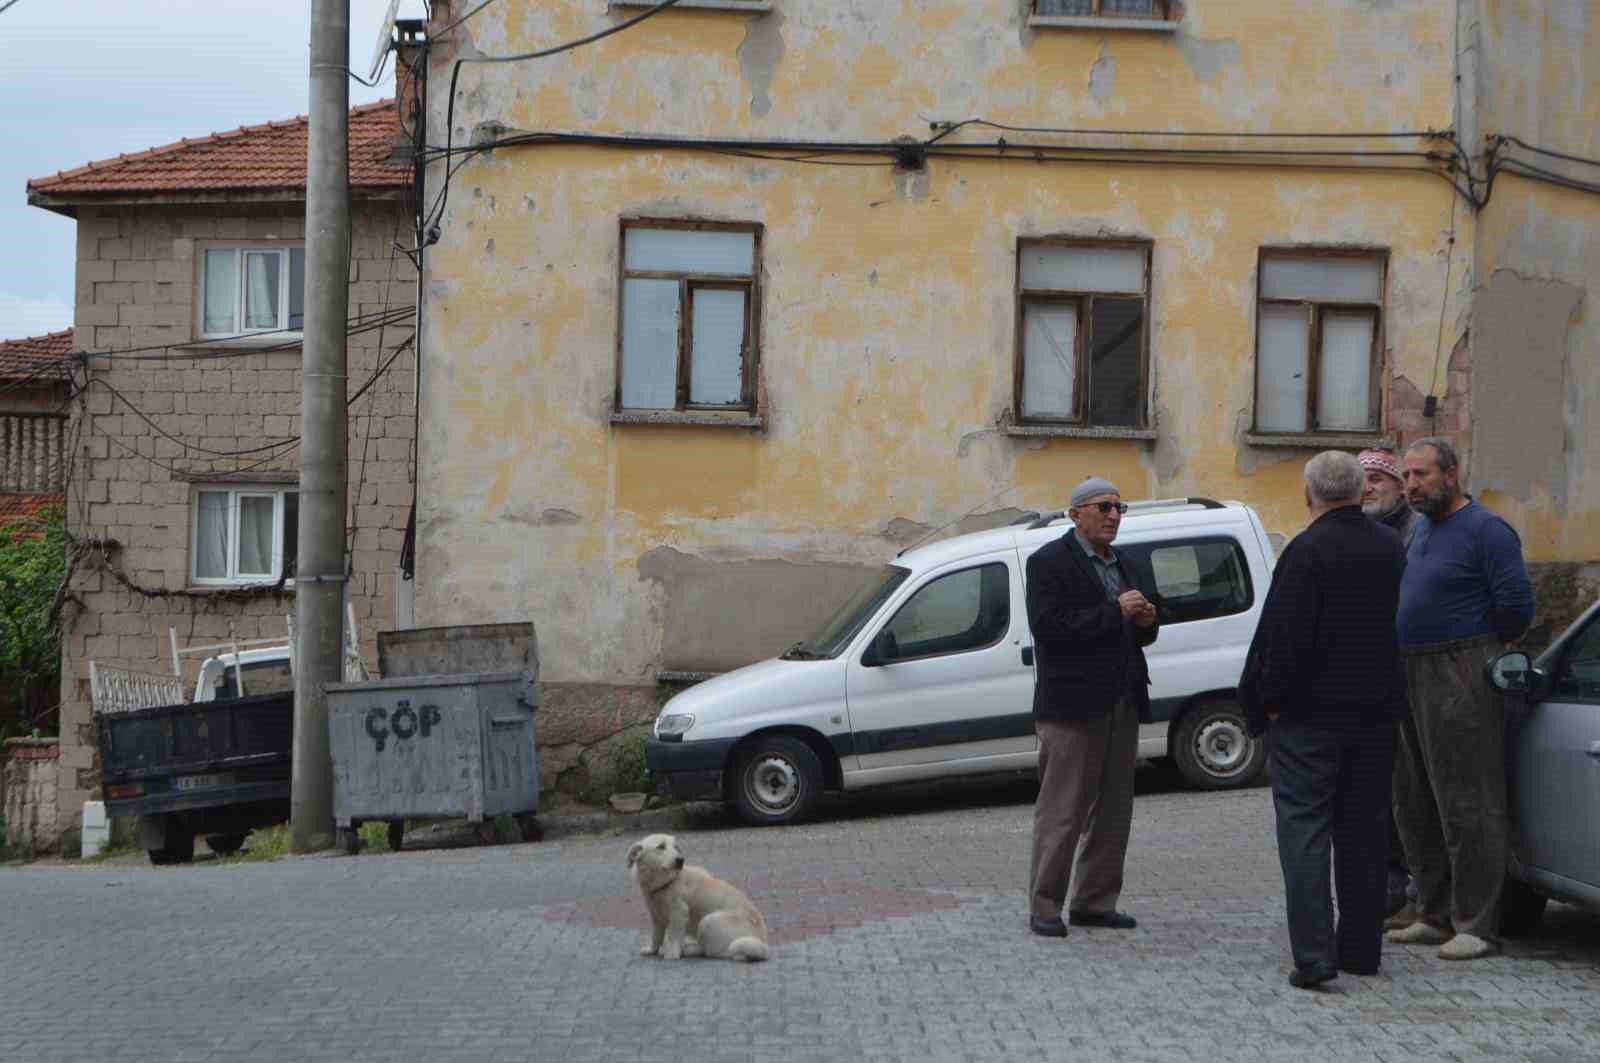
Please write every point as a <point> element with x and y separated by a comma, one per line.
<point>776,780</point>
<point>1521,909</point>
<point>225,844</point>
<point>348,839</point>
<point>397,834</point>
<point>1213,749</point>
<point>177,843</point>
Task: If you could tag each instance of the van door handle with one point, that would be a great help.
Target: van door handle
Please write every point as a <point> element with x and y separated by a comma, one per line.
<point>1027,659</point>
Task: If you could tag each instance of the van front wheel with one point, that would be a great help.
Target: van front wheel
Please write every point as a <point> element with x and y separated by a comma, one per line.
<point>777,780</point>
<point>1214,749</point>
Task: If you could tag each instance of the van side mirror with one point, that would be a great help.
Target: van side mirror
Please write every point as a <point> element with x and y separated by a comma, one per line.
<point>884,649</point>
<point>1512,673</point>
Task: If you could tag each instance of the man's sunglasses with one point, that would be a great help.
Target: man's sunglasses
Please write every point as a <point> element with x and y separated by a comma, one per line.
<point>1107,507</point>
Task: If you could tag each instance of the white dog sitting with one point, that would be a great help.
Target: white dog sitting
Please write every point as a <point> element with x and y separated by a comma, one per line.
<point>692,912</point>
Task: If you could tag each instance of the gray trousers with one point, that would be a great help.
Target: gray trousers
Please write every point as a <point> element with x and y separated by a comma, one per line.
<point>1083,812</point>
<point>1450,786</point>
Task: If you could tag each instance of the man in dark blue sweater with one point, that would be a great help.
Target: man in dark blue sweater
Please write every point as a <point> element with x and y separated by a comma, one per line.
<point>1324,678</point>
<point>1465,593</point>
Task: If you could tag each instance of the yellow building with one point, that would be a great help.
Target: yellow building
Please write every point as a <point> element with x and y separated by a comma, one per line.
<point>742,299</point>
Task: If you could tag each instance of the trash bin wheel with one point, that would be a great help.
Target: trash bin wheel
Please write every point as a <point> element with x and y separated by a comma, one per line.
<point>397,834</point>
<point>348,839</point>
<point>529,825</point>
<point>225,844</point>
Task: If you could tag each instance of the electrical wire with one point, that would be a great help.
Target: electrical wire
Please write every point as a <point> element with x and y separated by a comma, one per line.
<point>7,6</point>
<point>462,19</point>
<point>1539,173</point>
<point>206,350</point>
<point>1519,142</point>
<point>951,127</point>
<point>437,212</point>
<point>288,443</point>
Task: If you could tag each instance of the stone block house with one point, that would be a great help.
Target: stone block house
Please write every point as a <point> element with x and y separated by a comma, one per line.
<point>180,486</point>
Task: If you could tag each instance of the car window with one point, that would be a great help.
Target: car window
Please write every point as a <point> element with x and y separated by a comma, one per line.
<point>1196,579</point>
<point>953,613</point>
<point>263,677</point>
<point>1578,675</point>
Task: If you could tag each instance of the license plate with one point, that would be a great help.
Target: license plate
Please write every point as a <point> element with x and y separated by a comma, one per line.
<point>203,782</point>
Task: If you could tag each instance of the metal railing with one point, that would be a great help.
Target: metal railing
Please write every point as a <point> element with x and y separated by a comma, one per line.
<point>114,690</point>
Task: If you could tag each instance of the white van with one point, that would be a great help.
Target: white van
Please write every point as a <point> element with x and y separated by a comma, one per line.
<point>928,671</point>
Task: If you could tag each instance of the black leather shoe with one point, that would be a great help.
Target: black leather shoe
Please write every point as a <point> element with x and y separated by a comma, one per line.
<point>1310,977</point>
<point>1047,928</point>
<point>1109,920</point>
<point>1363,972</point>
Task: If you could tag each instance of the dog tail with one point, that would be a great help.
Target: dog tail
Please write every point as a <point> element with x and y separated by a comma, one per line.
<point>749,949</point>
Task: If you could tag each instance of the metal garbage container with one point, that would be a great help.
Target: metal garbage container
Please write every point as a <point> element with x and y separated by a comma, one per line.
<point>433,739</point>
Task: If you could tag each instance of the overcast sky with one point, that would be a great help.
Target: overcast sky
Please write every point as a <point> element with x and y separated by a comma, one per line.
<point>87,79</point>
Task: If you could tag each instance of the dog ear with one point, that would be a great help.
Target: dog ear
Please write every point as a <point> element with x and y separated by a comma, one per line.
<point>634,853</point>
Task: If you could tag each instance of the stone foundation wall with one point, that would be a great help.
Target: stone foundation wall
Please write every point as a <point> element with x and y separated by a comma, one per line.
<point>28,768</point>
<point>579,723</point>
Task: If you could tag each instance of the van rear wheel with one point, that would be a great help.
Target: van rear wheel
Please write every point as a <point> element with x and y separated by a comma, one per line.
<point>1213,747</point>
<point>776,780</point>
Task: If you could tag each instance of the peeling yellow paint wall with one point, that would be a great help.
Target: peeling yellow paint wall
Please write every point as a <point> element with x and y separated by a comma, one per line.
<point>887,310</point>
<point>1536,309</point>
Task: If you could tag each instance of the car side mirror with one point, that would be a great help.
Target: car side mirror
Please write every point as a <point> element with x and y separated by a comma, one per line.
<point>884,649</point>
<point>1512,673</point>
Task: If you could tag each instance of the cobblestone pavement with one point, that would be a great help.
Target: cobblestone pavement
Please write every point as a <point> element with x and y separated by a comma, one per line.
<point>899,933</point>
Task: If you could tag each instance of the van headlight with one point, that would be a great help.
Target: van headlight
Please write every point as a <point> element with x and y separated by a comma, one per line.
<point>673,725</point>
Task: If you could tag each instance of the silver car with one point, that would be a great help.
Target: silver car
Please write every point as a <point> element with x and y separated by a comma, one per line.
<point>1553,773</point>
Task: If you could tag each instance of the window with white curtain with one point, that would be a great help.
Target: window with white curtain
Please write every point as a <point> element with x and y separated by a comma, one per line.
<point>1319,341</point>
<point>687,335</point>
<point>252,289</point>
<point>243,533</point>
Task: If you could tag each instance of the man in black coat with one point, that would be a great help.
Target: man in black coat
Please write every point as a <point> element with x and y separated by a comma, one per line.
<point>1091,621</point>
<point>1324,679</point>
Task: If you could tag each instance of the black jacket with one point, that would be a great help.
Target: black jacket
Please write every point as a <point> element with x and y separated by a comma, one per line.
<point>1325,652</point>
<point>1079,636</point>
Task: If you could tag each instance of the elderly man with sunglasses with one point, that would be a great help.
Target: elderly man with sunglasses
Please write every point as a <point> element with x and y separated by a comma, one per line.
<point>1091,621</point>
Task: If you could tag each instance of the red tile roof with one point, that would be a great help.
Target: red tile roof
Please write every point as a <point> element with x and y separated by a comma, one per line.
<point>41,358</point>
<point>14,508</point>
<point>252,158</point>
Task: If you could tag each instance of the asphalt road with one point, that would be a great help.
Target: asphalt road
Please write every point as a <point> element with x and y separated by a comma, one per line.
<point>899,932</point>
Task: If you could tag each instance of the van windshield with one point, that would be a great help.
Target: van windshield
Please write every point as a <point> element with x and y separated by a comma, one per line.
<point>833,636</point>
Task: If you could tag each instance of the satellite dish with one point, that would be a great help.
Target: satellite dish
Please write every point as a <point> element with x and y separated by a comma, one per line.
<point>385,40</point>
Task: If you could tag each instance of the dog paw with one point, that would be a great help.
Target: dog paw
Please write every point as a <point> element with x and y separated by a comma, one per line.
<point>671,952</point>
<point>692,949</point>
<point>647,950</point>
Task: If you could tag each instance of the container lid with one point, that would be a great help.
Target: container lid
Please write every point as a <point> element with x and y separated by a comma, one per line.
<point>412,682</point>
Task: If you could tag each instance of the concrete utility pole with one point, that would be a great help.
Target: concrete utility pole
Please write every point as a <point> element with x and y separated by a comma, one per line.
<point>319,582</point>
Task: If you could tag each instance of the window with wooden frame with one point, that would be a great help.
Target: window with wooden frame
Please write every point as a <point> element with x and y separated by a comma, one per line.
<point>688,313</point>
<point>1319,340</point>
<point>1151,9</point>
<point>1082,333</point>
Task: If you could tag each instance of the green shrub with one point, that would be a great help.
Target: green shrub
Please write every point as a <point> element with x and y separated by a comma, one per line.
<point>267,843</point>
<point>621,769</point>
